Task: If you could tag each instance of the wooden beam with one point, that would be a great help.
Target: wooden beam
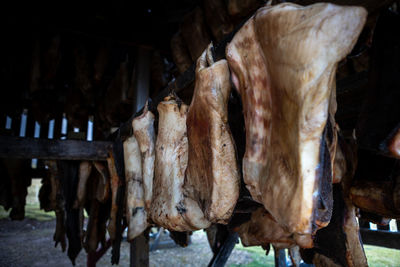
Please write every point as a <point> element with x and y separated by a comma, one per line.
<point>371,5</point>
<point>380,238</point>
<point>16,147</point>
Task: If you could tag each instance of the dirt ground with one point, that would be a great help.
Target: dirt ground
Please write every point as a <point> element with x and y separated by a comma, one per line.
<point>29,243</point>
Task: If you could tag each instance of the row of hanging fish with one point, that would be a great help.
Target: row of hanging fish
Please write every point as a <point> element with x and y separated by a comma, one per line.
<point>184,173</point>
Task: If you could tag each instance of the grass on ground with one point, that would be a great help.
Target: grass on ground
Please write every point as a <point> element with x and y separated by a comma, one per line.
<point>258,255</point>
<point>32,211</point>
<point>376,256</point>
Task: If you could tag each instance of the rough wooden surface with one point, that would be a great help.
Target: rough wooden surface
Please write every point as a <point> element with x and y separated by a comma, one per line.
<point>381,238</point>
<point>16,147</point>
<point>140,251</point>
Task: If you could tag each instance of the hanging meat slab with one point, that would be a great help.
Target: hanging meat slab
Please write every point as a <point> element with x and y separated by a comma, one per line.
<point>82,195</point>
<point>242,8</point>
<point>115,185</point>
<point>180,53</point>
<point>394,144</point>
<point>103,187</point>
<point>283,63</point>
<point>143,130</point>
<point>217,18</point>
<point>212,175</point>
<point>171,209</point>
<point>136,215</point>
<point>57,203</point>
<point>340,240</point>
<point>68,175</point>
<point>194,32</point>
<point>85,169</point>
<point>116,224</point>
<point>380,198</point>
<point>262,230</point>
<point>99,213</point>
<point>44,194</point>
<point>91,238</point>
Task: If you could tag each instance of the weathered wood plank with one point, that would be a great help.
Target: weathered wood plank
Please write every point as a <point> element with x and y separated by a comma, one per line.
<point>16,147</point>
<point>371,5</point>
<point>380,238</point>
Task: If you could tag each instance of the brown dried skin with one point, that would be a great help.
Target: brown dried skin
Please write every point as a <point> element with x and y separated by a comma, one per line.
<point>212,176</point>
<point>376,197</point>
<point>194,32</point>
<point>320,260</point>
<point>171,209</point>
<point>180,53</point>
<point>394,145</point>
<point>103,187</point>
<point>58,204</point>
<point>100,64</point>
<point>339,165</point>
<point>217,18</point>
<point>244,56</point>
<point>98,215</point>
<point>283,64</point>
<point>143,130</point>
<point>136,215</point>
<point>85,169</point>
<point>242,8</point>
<point>340,240</point>
<point>262,229</point>
<point>115,184</point>
<point>91,239</point>
<point>44,193</point>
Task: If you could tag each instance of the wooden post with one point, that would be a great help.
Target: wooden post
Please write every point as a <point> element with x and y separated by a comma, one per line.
<point>140,245</point>
<point>142,78</point>
<point>140,250</point>
<point>280,257</point>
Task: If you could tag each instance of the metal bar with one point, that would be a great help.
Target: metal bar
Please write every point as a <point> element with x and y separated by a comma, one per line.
<point>225,251</point>
<point>154,245</point>
<point>16,147</point>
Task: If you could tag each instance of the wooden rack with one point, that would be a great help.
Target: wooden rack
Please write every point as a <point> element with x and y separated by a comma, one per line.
<point>16,147</point>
